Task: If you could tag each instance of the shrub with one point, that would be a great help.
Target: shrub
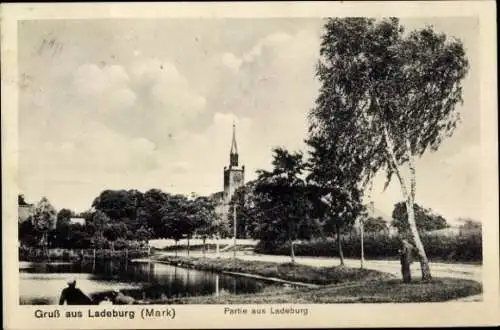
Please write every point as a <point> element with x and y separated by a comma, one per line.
<point>100,242</point>
<point>120,244</point>
<point>460,248</point>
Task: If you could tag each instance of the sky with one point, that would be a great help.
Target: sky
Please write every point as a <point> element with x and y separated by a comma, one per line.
<point>150,103</point>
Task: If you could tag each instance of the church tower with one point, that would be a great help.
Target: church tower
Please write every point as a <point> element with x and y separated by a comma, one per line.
<point>234,175</point>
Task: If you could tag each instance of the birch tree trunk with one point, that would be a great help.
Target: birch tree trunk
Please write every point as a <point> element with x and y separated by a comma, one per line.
<point>424,262</point>
<point>362,222</point>
<point>362,243</point>
<point>409,196</point>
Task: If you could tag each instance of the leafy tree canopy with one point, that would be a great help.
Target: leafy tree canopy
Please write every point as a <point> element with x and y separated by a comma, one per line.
<point>375,225</point>
<point>426,219</point>
<point>64,217</point>
<point>119,204</point>
<point>281,199</point>
<point>377,80</point>
<point>45,215</point>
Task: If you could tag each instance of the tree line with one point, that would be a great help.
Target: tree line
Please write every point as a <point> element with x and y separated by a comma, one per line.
<point>122,216</point>
<point>119,217</point>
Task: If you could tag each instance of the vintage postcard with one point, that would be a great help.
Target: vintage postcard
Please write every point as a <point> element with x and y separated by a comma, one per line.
<point>249,165</point>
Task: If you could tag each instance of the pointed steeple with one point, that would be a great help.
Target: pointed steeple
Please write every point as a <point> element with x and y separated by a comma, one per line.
<point>234,147</point>
<point>233,153</point>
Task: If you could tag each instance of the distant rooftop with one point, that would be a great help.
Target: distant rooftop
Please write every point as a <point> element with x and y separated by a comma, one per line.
<point>79,220</point>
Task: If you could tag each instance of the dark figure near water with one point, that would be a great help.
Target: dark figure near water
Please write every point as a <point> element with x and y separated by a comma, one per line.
<point>406,259</point>
<point>74,296</point>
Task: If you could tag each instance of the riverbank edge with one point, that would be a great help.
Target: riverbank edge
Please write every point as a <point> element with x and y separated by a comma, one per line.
<point>357,291</point>
<point>293,274</point>
<point>248,275</point>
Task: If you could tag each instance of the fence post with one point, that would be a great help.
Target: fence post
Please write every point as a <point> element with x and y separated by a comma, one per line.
<point>362,243</point>
<point>217,285</point>
<point>217,246</point>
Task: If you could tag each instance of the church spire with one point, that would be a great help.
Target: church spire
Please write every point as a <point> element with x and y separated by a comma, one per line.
<point>234,147</point>
<point>233,154</point>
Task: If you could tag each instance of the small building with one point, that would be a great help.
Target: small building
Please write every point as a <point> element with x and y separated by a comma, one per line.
<point>76,220</point>
<point>449,232</point>
<point>25,212</point>
<point>393,231</point>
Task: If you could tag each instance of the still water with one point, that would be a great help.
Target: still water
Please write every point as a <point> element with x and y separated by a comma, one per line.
<point>41,283</point>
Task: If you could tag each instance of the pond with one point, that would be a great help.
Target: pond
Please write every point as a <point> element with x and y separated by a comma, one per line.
<point>41,283</point>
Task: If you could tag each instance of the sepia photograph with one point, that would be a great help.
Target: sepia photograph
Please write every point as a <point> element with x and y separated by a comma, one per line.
<point>240,161</point>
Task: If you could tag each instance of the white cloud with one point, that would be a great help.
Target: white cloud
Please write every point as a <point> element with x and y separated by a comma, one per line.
<point>231,61</point>
<point>166,99</point>
<point>149,99</point>
<point>102,89</point>
<point>207,152</point>
<point>273,41</point>
<point>96,149</point>
<point>275,88</point>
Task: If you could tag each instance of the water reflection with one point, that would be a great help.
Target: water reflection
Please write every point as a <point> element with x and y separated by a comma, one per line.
<point>217,279</point>
<point>41,283</point>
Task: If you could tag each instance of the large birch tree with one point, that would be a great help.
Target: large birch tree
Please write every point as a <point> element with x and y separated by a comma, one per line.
<point>387,97</point>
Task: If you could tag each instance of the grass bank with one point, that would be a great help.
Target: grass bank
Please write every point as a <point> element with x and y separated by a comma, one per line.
<point>286,271</point>
<point>383,291</point>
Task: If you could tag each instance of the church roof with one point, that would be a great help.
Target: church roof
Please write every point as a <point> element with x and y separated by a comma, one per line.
<point>217,195</point>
